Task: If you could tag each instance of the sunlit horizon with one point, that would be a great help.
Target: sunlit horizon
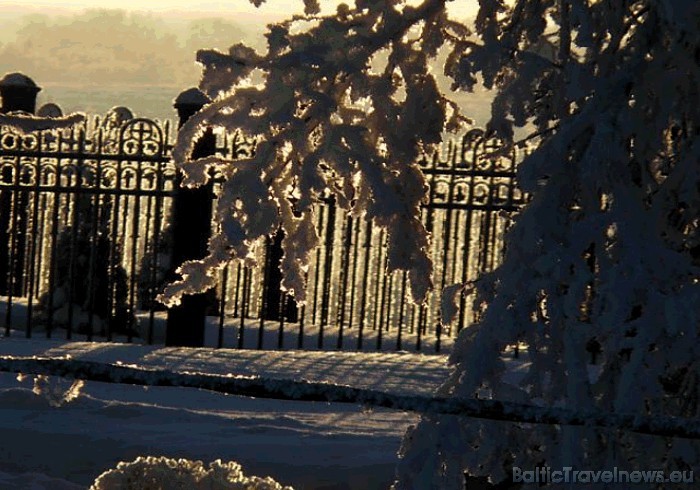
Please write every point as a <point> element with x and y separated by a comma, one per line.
<point>271,8</point>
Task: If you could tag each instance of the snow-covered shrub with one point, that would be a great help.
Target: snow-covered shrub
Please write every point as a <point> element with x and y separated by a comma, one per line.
<point>162,473</point>
<point>57,391</point>
<point>91,287</point>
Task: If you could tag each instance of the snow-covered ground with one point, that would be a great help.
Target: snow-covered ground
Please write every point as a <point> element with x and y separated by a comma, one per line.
<point>307,445</point>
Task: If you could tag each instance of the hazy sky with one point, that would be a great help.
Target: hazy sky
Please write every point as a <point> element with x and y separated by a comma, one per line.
<point>460,8</point>
<point>94,79</point>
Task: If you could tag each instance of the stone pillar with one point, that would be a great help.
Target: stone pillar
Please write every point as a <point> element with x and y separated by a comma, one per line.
<point>18,93</point>
<point>191,228</point>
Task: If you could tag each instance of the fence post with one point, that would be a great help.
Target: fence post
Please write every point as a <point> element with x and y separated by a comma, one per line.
<point>278,305</point>
<point>18,93</point>
<point>192,214</point>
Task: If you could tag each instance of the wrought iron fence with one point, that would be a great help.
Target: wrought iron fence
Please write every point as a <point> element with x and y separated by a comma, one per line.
<point>85,245</point>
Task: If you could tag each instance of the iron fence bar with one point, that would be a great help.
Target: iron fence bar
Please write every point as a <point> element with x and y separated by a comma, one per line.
<point>124,223</point>
<point>147,248</point>
<point>377,281</point>
<point>447,229</point>
<point>131,311</point>
<point>73,238</point>
<point>53,266</point>
<point>265,286</point>
<point>363,307</point>
<point>316,269</point>
<point>94,245</point>
<point>241,330</point>
<point>401,310</point>
<point>280,333</point>
<point>466,255</point>
<point>13,246</point>
<point>6,174</point>
<point>21,259</point>
<point>222,308</point>
<point>237,290</point>
<point>33,254</point>
<point>390,291</point>
<point>111,306</point>
<point>353,280</point>
<point>345,261</point>
<point>382,302</point>
<point>327,268</point>
<point>41,232</point>
<point>419,330</point>
<point>455,248</point>
<point>300,337</point>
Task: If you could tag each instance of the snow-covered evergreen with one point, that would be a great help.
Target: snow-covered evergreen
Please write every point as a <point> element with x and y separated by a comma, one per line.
<point>605,254</point>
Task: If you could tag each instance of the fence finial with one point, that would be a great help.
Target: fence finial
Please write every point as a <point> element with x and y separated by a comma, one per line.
<point>18,93</point>
<point>189,102</point>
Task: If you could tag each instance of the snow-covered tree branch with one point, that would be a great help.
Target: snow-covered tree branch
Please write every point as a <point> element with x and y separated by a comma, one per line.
<point>344,105</point>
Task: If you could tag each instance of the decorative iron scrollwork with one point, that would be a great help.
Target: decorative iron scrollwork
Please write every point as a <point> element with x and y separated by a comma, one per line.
<point>476,173</point>
<point>141,137</point>
<point>9,141</point>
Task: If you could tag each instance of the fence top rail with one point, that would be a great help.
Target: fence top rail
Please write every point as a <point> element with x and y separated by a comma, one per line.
<point>122,137</point>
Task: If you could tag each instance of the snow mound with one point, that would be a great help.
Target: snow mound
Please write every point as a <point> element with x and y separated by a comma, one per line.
<point>22,398</point>
<point>161,473</point>
<point>34,481</point>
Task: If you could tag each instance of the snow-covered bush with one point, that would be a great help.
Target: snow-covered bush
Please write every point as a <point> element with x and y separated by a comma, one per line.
<point>57,391</point>
<point>162,473</point>
<point>82,275</point>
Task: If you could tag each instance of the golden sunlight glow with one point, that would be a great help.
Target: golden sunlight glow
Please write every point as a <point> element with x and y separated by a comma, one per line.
<point>272,8</point>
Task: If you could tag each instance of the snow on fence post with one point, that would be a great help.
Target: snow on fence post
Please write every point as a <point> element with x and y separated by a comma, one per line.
<point>18,93</point>
<point>192,215</point>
